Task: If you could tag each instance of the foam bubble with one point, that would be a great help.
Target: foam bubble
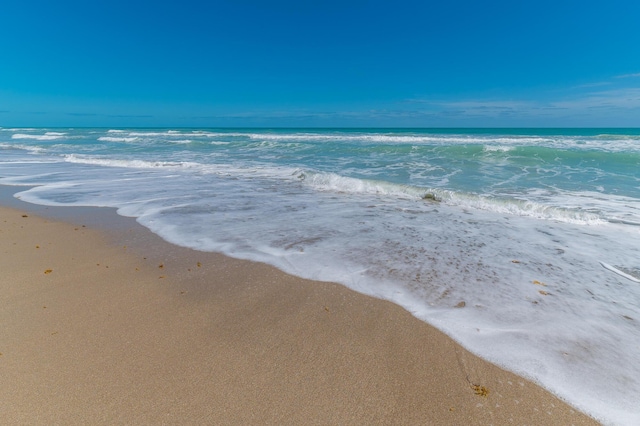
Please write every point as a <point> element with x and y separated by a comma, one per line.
<point>117,139</point>
<point>168,133</point>
<point>494,230</point>
<point>342,184</point>
<point>35,149</point>
<point>46,137</point>
<point>130,164</point>
<point>498,148</point>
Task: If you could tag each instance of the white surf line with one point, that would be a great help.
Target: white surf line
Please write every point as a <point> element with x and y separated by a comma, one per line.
<point>619,272</point>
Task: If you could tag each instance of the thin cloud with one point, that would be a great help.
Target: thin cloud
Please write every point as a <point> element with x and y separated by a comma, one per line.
<point>625,99</point>
<point>628,75</point>
<point>487,109</point>
<point>594,108</point>
<point>588,85</point>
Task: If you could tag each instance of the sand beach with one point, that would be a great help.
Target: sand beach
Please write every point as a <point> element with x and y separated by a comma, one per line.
<point>112,325</point>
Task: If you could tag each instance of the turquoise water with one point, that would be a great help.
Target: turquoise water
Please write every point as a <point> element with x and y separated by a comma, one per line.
<point>426,218</point>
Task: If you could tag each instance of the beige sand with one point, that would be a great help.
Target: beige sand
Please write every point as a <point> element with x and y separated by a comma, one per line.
<point>123,328</point>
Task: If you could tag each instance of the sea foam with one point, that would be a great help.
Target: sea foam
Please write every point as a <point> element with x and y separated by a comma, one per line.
<point>46,137</point>
<point>516,226</point>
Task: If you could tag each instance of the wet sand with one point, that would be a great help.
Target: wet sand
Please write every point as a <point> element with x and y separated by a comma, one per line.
<point>112,325</point>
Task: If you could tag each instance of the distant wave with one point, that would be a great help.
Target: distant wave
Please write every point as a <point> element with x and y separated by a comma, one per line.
<point>23,147</point>
<point>137,164</point>
<point>49,136</point>
<point>501,142</point>
<point>616,137</point>
<point>382,138</point>
<point>167,133</point>
<point>116,139</point>
<point>224,169</point>
<point>139,137</point>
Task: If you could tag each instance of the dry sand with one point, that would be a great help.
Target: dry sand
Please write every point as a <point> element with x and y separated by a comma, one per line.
<point>122,328</point>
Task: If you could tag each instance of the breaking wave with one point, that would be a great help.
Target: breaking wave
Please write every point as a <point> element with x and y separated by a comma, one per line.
<point>341,184</point>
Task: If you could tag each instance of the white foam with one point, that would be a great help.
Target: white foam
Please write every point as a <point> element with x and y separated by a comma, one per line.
<point>280,173</point>
<point>116,139</point>
<point>556,142</point>
<point>342,184</point>
<point>45,137</point>
<point>168,133</point>
<point>339,216</point>
<point>522,208</point>
<point>619,272</point>
<point>131,164</point>
<point>498,148</point>
<point>490,142</point>
<point>30,148</point>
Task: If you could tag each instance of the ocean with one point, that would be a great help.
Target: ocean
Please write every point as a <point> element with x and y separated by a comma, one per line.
<point>521,244</point>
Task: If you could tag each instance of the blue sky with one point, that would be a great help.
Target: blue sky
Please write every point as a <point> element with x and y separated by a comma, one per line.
<point>459,63</point>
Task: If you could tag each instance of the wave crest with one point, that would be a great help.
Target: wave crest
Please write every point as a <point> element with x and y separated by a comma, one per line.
<point>49,136</point>
<point>511,206</point>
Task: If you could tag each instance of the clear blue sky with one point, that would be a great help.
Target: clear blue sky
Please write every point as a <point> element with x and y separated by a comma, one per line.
<point>320,63</point>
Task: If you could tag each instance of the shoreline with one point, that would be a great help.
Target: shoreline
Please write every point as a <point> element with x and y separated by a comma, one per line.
<point>127,328</point>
